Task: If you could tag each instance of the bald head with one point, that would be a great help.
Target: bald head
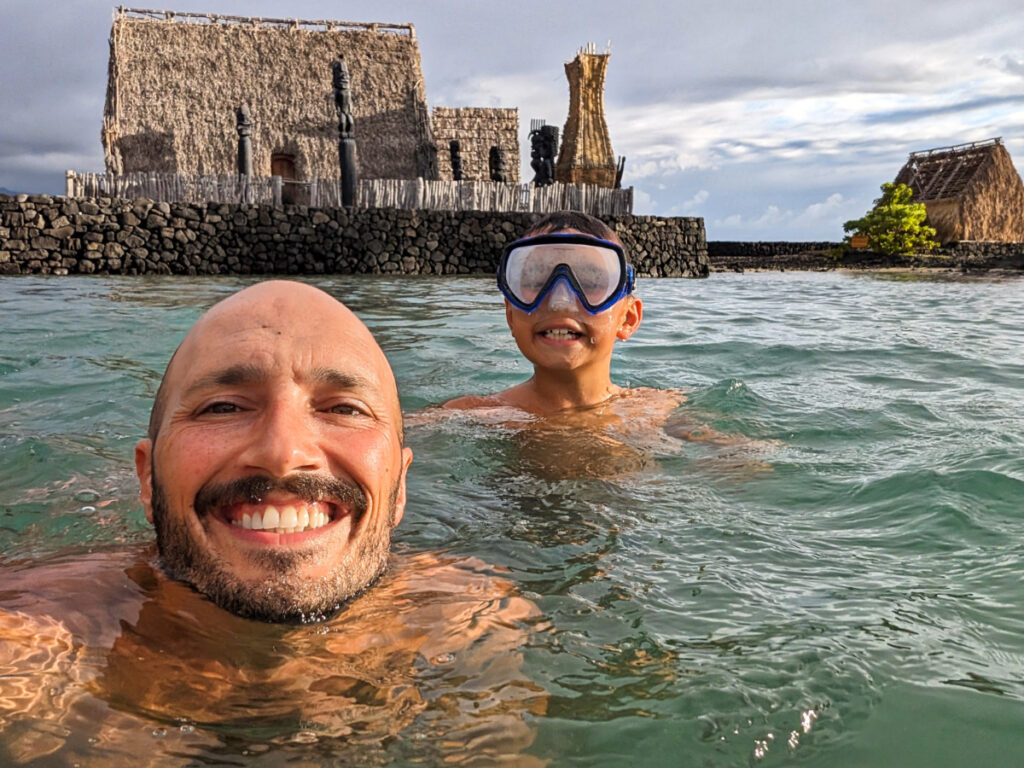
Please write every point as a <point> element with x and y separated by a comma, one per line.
<point>280,324</point>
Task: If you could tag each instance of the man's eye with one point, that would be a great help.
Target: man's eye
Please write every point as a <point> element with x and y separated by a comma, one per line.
<point>346,409</point>
<point>220,407</point>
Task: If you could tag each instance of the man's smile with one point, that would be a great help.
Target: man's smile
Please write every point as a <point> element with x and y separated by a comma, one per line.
<point>284,511</point>
<point>283,518</point>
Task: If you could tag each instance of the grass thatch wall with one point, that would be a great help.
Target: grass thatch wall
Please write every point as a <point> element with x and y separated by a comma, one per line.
<point>945,215</point>
<point>585,156</point>
<point>477,129</point>
<point>174,85</point>
<point>992,207</point>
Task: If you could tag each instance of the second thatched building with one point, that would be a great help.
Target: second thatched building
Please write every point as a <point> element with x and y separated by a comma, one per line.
<point>971,191</point>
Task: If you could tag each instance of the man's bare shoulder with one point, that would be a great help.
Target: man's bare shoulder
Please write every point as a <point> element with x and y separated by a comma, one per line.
<point>428,586</point>
<point>87,592</point>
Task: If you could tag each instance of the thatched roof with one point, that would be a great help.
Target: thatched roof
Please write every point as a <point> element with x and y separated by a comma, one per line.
<point>944,172</point>
<point>175,80</point>
<point>585,156</point>
<point>971,191</point>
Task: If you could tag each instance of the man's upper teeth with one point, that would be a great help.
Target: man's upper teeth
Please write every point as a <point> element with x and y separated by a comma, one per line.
<point>287,519</point>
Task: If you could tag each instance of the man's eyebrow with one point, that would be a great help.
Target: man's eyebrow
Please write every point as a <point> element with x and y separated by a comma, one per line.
<point>337,379</point>
<point>233,376</point>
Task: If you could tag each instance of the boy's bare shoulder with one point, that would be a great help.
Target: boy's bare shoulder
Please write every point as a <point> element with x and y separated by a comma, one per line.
<point>469,402</point>
<point>521,397</point>
<point>650,402</point>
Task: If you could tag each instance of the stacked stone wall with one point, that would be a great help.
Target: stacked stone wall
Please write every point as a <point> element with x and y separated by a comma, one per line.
<point>40,234</point>
<point>477,130</point>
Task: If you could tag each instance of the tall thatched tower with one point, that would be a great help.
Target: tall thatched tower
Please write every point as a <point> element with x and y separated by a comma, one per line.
<point>586,154</point>
<point>971,191</point>
<point>175,80</point>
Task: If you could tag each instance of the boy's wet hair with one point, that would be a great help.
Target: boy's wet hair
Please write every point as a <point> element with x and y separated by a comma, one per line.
<point>560,221</point>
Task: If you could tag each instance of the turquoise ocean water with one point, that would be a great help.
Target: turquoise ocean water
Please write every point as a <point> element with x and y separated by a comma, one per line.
<point>847,591</point>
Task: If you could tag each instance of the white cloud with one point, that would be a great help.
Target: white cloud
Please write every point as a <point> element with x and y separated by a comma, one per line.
<point>643,203</point>
<point>691,207</point>
<point>824,210</point>
<point>823,219</point>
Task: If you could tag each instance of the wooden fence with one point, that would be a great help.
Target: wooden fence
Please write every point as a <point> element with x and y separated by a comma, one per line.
<point>410,194</point>
<point>176,187</point>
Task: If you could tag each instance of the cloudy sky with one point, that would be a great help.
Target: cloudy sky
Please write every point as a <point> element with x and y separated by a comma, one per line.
<point>772,119</point>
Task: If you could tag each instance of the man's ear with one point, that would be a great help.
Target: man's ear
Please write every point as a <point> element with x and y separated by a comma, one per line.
<point>400,496</point>
<point>144,469</point>
<point>631,321</point>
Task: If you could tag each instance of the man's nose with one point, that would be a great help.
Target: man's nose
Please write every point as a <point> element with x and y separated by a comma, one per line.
<point>562,296</point>
<point>285,440</point>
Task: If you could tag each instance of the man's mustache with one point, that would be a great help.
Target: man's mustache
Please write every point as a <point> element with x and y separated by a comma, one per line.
<point>306,486</point>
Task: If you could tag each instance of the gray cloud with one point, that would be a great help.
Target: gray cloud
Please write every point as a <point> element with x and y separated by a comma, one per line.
<point>917,113</point>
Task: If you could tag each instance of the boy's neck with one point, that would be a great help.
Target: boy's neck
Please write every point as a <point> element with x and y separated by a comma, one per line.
<point>553,391</point>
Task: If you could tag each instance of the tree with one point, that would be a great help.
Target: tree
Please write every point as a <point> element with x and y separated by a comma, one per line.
<point>895,225</point>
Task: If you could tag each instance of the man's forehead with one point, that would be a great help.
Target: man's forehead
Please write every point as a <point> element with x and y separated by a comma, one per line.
<point>300,334</point>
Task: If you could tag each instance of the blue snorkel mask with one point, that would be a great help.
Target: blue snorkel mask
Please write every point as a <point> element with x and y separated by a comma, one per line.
<point>595,270</point>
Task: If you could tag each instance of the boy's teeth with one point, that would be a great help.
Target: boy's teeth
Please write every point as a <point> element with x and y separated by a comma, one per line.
<point>284,519</point>
<point>560,333</point>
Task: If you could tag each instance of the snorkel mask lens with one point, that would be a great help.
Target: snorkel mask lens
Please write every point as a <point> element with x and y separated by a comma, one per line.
<point>594,269</point>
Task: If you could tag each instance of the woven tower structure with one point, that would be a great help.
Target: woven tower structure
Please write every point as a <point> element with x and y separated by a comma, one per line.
<point>586,154</point>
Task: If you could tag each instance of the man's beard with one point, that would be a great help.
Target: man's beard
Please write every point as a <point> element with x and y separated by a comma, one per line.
<point>282,595</point>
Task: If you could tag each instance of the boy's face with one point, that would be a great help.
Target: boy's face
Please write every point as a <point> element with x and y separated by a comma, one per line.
<point>561,335</point>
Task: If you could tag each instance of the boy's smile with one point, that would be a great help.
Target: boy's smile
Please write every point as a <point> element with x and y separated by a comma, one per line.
<point>562,332</point>
<point>569,339</point>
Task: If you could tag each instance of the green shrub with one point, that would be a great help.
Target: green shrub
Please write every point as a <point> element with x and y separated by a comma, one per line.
<point>895,225</point>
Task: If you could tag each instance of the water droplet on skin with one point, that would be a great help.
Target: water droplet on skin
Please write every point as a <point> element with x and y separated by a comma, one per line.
<point>305,737</point>
<point>444,658</point>
<point>159,733</point>
<point>187,729</point>
<point>593,340</point>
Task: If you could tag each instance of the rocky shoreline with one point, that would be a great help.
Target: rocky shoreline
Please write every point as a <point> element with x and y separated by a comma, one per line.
<point>962,257</point>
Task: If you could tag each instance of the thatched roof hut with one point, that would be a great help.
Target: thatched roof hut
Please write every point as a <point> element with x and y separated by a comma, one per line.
<point>477,129</point>
<point>585,156</point>
<point>971,191</point>
<point>175,80</point>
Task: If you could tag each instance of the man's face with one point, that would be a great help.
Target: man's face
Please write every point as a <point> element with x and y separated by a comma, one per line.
<point>277,472</point>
